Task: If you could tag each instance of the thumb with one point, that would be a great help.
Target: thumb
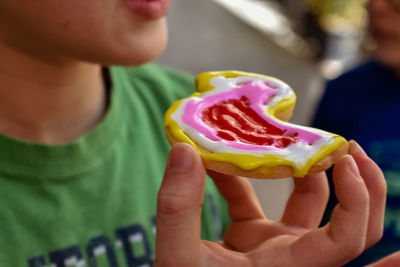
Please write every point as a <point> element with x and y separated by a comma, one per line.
<point>179,208</point>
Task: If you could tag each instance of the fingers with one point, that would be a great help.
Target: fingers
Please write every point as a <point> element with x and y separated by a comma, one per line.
<point>244,210</point>
<point>391,260</point>
<point>350,217</point>
<point>357,221</point>
<point>376,184</point>
<point>242,201</point>
<point>307,202</point>
<point>344,237</point>
<point>179,211</point>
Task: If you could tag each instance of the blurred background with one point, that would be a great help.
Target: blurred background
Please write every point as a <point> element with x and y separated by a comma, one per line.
<point>302,42</point>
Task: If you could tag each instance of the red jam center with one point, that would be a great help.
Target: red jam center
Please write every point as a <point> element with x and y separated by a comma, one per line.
<point>235,120</point>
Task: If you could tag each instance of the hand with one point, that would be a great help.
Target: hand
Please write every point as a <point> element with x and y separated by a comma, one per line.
<point>388,261</point>
<point>252,239</point>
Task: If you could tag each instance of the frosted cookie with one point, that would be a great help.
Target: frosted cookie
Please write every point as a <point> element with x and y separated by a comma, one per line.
<point>237,121</point>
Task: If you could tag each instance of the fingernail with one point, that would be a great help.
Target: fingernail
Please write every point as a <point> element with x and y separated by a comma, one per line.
<point>355,148</point>
<point>180,158</point>
<point>353,165</point>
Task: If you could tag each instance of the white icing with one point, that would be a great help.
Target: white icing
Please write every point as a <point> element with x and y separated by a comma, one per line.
<point>299,152</point>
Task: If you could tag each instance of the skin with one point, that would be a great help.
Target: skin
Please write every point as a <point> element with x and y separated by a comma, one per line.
<point>52,92</point>
<point>389,261</point>
<point>384,21</point>
<point>252,239</point>
<point>50,68</point>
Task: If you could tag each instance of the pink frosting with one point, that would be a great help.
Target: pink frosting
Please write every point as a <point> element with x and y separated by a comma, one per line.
<point>259,93</point>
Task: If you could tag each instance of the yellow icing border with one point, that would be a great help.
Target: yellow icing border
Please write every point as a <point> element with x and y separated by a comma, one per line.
<point>243,161</point>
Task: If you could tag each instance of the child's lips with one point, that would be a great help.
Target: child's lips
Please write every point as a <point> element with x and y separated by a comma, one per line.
<point>150,9</point>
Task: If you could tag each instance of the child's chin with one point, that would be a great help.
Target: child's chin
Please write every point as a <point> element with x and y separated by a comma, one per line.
<point>135,53</point>
<point>133,60</point>
<point>127,58</point>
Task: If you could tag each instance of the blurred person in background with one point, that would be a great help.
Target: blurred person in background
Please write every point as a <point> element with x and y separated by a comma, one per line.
<point>364,104</point>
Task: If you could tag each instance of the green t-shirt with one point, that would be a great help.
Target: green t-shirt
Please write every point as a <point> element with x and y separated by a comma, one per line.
<point>92,202</point>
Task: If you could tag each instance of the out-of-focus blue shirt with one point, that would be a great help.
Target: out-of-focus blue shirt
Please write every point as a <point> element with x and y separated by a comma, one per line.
<point>364,104</point>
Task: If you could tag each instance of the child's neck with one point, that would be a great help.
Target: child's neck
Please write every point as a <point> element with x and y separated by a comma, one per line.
<point>47,103</point>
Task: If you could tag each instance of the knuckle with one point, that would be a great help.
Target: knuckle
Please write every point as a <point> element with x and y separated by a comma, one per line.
<point>375,238</point>
<point>173,206</point>
<point>361,198</point>
<point>382,186</point>
<point>352,249</point>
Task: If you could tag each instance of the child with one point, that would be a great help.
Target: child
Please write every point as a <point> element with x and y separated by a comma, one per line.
<point>374,120</point>
<point>82,155</point>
